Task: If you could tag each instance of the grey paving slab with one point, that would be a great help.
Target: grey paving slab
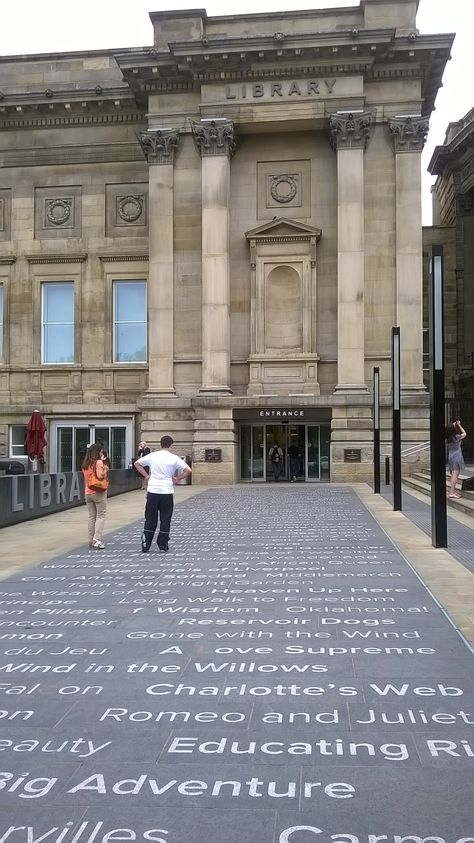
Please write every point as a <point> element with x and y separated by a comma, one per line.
<point>460,536</point>
<point>280,675</point>
<point>158,825</point>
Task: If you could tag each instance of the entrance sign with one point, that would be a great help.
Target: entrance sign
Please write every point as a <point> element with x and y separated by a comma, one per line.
<point>281,414</point>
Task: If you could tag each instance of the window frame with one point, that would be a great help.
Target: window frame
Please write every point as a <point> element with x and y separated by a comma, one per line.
<point>116,281</point>
<point>50,284</point>
<point>6,268</point>
<point>127,422</point>
<point>2,320</point>
<point>13,455</point>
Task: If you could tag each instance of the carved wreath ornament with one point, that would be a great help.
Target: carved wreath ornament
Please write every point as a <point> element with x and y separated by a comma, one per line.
<point>58,211</point>
<point>130,208</point>
<point>283,188</point>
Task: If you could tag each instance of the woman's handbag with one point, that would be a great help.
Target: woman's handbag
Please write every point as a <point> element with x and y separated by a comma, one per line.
<point>94,483</point>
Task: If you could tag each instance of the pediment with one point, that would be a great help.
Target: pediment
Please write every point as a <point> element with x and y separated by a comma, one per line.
<point>282,228</point>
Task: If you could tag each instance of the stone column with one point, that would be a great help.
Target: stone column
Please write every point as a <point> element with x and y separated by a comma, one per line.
<point>159,147</point>
<point>408,135</point>
<point>350,135</point>
<point>215,142</point>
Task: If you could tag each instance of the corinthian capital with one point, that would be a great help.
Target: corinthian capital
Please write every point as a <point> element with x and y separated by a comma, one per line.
<point>215,137</point>
<point>159,145</point>
<point>351,130</point>
<point>408,133</point>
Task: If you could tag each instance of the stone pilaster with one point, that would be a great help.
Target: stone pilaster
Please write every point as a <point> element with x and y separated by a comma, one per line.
<point>215,141</point>
<point>159,147</point>
<point>350,135</point>
<point>408,135</point>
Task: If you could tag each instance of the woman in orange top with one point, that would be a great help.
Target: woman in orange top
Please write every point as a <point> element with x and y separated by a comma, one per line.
<point>96,501</point>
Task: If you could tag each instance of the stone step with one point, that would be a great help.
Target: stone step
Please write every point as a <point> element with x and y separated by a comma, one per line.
<point>425,477</point>
<point>422,485</point>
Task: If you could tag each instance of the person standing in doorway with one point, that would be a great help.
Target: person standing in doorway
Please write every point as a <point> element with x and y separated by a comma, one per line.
<point>143,449</point>
<point>95,472</point>
<point>165,470</point>
<point>294,454</point>
<point>276,456</point>
<point>455,433</point>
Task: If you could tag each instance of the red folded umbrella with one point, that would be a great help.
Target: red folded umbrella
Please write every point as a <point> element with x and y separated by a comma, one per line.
<point>35,439</point>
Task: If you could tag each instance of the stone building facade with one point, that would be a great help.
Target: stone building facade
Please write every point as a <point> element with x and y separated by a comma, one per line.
<point>213,237</point>
<point>453,217</point>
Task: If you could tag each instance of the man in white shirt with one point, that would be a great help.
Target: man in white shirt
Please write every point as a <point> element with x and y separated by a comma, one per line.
<point>165,470</point>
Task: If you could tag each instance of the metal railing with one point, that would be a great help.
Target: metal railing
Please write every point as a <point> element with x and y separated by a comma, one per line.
<point>414,449</point>
<point>408,452</point>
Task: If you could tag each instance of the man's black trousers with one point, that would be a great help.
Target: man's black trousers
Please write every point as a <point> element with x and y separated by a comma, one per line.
<point>161,505</point>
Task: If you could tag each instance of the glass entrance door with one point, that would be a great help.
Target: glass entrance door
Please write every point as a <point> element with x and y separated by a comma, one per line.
<point>317,451</point>
<point>289,439</point>
<point>252,452</point>
<point>303,452</point>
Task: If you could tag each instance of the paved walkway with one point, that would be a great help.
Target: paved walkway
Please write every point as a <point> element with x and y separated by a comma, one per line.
<point>460,526</point>
<point>281,675</point>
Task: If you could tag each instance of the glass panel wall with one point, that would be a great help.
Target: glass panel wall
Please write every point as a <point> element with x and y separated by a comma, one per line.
<point>312,461</point>
<point>258,452</point>
<point>70,439</point>
<point>304,452</point>
<point>245,452</point>
<point>324,451</point>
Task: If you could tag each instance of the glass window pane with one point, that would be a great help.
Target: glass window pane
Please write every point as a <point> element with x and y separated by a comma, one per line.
<point>130,301</point>
<point>58,345</point>
<point>313,452</point>
<point>130,343</point>
<point>325,443</point>
<point>65,449</point>
<point>17,439</point>
<point>258,452</point>
<point>245,452</point>
<point>58,303</point>
<point>117,451</point>
<point>81,446</point>
<point>1,320</point>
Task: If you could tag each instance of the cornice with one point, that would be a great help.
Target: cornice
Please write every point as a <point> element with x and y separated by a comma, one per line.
<point>67,257</point>
<point>6,260</point>
<point>376,74</point>
<point>34,120</point>
<point>340,68</point>
<point>116,257</point>
<point>281,42</point>
<point>449,154</point>
<point>97,94</point>
<point>68,154</point>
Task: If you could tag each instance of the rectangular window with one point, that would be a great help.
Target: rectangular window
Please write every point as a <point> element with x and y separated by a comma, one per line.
<point>57,322</point>
<point>73,439</point>
<point>1,321</point>
<point>17,440</point>
<point>130,322</point>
